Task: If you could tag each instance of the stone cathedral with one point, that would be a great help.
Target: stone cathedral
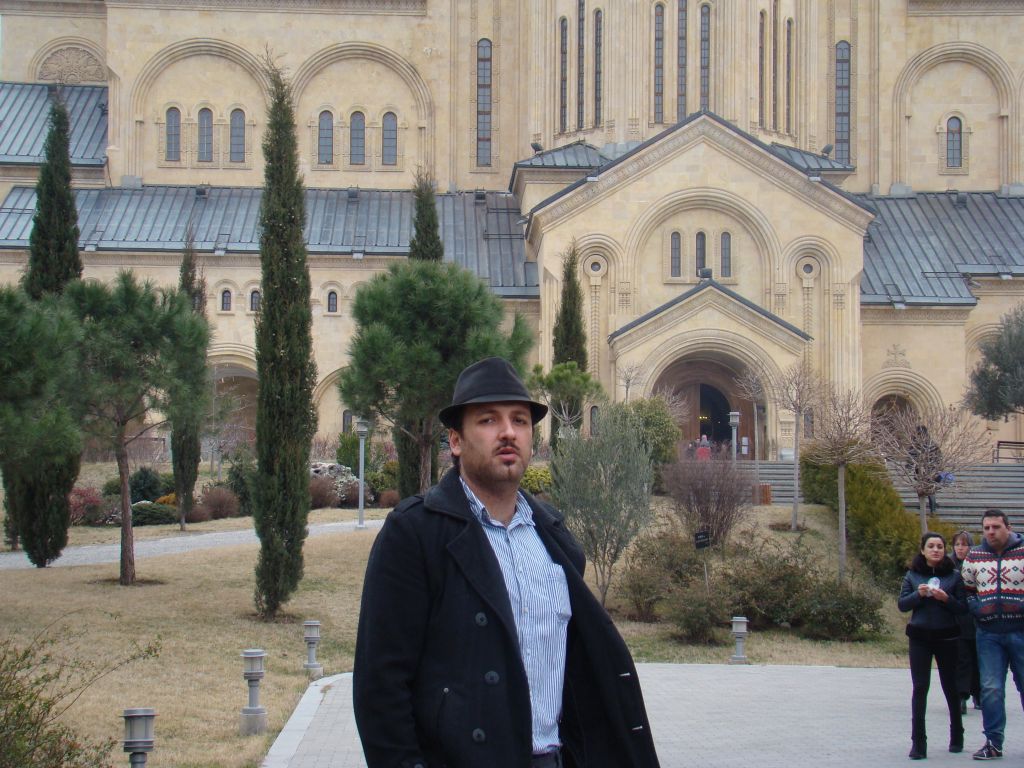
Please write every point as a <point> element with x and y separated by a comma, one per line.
<point>747,182</point>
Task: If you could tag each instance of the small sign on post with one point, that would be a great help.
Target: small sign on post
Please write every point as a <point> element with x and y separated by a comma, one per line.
<point>702,540</point>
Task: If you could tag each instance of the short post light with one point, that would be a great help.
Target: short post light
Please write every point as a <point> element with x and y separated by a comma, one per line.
<point>734,422</point>
<point>138,734</point>
<point>739,631</point>
<point>362,429</point>
<point>254,717</point>
<point>311,634</point>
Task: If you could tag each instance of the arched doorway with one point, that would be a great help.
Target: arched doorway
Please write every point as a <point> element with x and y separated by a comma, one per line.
<point>714,414</point>
<point>889,404</point>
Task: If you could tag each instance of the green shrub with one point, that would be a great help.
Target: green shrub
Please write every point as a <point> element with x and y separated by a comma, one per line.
<point>658,427</point>
<point>166,483</point>
<point>241,476</point>
<point>536,480</point>
<point>656,565</point>
<point>348,451</point>
<point>384,479</point>
<point>842,612</point>
<point>112,487</point>
<point>697,616</point>
<point>151,513</point>
<point>85,506</point>
<point>144,484</point>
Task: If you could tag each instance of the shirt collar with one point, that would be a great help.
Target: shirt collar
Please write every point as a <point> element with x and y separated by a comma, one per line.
<point>523,514</point>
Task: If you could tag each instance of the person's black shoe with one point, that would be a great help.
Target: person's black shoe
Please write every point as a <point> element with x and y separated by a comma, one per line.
<point>988,752</point>
<point>956,744</point>
<point>977,702</point>
<point>918,751</point>
<point>963,706</point>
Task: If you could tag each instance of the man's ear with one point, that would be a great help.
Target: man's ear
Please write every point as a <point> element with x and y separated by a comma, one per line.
<point>454,442</point>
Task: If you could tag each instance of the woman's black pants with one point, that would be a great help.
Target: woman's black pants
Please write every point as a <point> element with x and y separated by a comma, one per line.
<point>945,654</point>
<point>967,679</point>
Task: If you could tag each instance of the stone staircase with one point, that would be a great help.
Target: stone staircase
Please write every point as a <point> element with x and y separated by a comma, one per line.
<point>981,487</point>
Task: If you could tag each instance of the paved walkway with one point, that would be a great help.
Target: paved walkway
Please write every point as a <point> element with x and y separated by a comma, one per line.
<point>718,716</point>
<point>99,554</point>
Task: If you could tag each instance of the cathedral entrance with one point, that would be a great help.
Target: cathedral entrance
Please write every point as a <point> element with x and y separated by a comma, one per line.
<point>714,414</point>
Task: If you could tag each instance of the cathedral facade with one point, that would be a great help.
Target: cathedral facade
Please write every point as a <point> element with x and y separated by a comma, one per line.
<point>748,183</point>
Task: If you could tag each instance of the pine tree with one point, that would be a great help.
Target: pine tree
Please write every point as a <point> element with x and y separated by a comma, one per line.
<point>188,404</point>
<point>285,416</point>
<point>426,242</point>
<point>570,340</point>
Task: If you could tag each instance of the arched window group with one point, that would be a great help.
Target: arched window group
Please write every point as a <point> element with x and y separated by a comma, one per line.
<point>701,256</point>
<point>199,145</point>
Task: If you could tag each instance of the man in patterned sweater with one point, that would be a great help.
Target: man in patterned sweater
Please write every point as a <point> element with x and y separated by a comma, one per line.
<point>993,575</point>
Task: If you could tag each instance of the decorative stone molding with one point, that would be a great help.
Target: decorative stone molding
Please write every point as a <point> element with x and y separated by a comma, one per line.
<point>964,7</point>
<point>930,316</point>
<point>375,7</point>
<point>72,65</point>
<point>896,357</point>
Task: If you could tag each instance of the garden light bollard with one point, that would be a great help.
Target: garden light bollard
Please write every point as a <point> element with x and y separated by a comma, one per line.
<point>254,717</point>
<point>362,429</point>
<point>734,422</point>
<point>739,631</point>
<point>311,634</point>
<point>138,734</point>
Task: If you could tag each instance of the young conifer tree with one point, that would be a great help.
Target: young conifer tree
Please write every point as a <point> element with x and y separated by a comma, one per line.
<point>570,339</point>
<point>285,416</point>
<point>426,242</point>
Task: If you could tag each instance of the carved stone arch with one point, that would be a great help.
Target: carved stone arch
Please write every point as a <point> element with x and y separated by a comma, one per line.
<point>81,61</point>
<point>975,337</point>
<point>963,51</point>
<point>917,389</point>
<point>598,270</point>
<point>723,201</point>
<point>396,63</point>
<point>608,247</point>
<point>236,359</point>
<point>820,248</point>
<point>327,384</point>
<point>350,293</point>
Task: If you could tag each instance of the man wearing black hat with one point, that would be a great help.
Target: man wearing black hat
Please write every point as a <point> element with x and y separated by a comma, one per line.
<point>479,643</point>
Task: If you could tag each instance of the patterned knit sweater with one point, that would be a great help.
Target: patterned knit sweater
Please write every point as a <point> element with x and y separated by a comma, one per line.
<point>995,586</point>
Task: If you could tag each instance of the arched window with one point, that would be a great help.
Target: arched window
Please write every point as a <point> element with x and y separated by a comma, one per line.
<point>225,300</point>
<point>705,56</point>
<point>725,266</point>
<point>954,143</point>
<point>357,139</point>
<point>325,139</point>
<point>237,153</point>
<point>563,75</point>
<point>332,301</point>
<point>204,150</point>
<point>172,143</point>
<point>254,300</point>
<point>676,257</point>
<point>389,140</point>
<point>775,65</point>
<point>761,31</point>
<point>789,76</point>
<point>580,61</point>
<point>659,63</point>
<point>483,102</point>
<point>842,141</point>
<point>598,66</point>
<point>595,416</point>
<point>346,421</point>
<point>681,62</point>
<point>702,252</point>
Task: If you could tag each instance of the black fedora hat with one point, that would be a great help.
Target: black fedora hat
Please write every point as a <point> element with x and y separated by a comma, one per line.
<point>491,380</point>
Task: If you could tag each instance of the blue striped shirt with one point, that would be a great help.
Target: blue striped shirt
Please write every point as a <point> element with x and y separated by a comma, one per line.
<point>539,595</point>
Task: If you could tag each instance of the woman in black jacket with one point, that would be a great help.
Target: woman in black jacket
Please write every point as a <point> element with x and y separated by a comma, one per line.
<point>967,680</point>
<point>933,591</point>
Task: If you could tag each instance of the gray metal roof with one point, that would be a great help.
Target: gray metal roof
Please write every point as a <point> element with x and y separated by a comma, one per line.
<point>481,231</point>
<point>576,155</point>
<point>24,122</point>
<point>919,249</point>
<point>809,161</point>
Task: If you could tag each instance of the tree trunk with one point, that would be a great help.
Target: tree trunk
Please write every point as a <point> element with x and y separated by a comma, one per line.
<point>127,535</point>
<point>793,523</point>
<point>426,443</point>
<point>842,521</point>
<point>922,508</point>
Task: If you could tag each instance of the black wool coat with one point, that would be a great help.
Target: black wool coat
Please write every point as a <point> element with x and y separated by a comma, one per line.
<point>438,677</point>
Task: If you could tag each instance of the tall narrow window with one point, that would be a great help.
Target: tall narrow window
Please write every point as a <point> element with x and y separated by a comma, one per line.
<point>346,421</point>
<point>598,66</point>
<point>172,143</point>
<point>725,267</point>
<point>705,56</point>
<point>954,143</point>
<point>225,300</point>
<point>581,21</point>
<point>205,143</point>
<point>389,140</point>
<point>483,102</point>
<point>563,75</point>
<point>254,301</point>
<point>357,139</point>
<point>676,261</point>
<point>842,142</point>
<point>761,31</point>
<point>702,252</point>
<point>237,151</point>
<point>659,63</point>
<point>325,139</point>
<point>789,76</point>
<point>775,65</point>
<point>332,301</point>
<point>681,62</point>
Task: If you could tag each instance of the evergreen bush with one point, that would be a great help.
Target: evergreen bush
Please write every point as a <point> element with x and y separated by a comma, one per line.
<point>111,487</point>
<point>384,479</point>
<point>842,611</point>
<point>86,506</point>
<point>348,451</point>
<point>151,513</point>
<point>657,564</point>
<point>536,480</point>
<point>144,484</point>
<point>241,476</point>
<point>696,615</point>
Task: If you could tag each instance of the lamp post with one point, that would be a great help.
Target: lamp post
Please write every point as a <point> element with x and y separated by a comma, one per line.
<point>739,631</point>
<point>254,717</point>
<point>138,734</point>
<point>734,422</point>
<point>311,634</point>
<point>362,428</point>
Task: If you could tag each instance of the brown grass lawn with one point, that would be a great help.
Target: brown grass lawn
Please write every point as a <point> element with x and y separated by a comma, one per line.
<point>199,605</point>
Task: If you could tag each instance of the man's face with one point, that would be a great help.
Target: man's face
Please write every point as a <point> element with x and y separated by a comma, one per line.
<point>495,443</point>
<point>997,533</point>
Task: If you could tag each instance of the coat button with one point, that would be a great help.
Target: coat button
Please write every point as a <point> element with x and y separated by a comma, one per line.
<point>479,736</point>
<point>492,678</point>
<point>481,619</point>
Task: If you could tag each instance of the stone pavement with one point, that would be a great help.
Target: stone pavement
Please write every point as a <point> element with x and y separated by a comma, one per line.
<point>719,716</point>
<point>98,554</point>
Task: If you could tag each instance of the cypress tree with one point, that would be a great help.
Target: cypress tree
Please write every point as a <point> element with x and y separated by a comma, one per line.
<point>426,242</point>
<point>285,417</point>
<point>570,340</point>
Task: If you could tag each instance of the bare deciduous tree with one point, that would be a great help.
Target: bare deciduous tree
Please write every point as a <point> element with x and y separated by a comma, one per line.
<point>842,436</point>
<point>796,389</point>
<point>630,374</point>
<point>709,496</point>
<point>929,449</point>
<point>678,404</point>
